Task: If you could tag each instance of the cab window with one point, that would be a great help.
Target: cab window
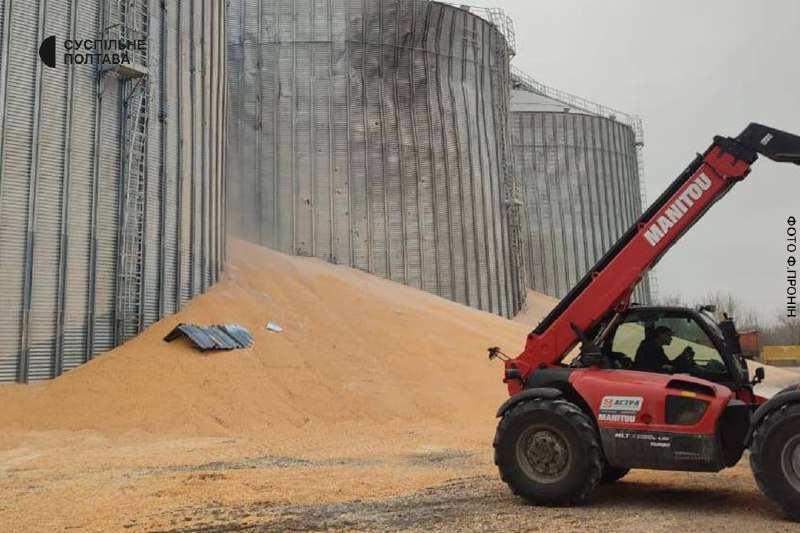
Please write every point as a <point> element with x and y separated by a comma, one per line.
<point>667,344</point>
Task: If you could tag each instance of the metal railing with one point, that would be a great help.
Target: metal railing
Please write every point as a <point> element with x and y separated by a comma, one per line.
<point>498,18</point>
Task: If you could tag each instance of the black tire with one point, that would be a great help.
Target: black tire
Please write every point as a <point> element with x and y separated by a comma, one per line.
<point>570,464</point>
<point>613,474</point>
<point>775,458</point>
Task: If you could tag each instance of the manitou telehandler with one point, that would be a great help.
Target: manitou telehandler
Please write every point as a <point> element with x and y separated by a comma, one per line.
<point>568,427</point>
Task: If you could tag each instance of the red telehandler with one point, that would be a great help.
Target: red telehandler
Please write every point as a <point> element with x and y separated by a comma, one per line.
<point>568,427</point>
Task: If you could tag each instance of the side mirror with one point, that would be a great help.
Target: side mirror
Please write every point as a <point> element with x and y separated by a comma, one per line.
<point>760,375</point>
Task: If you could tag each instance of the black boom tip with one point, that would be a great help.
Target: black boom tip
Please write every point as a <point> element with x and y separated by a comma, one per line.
<point>771,143</point>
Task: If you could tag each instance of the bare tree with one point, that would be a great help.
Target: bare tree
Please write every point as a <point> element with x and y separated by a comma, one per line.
<point>725,302</point>
<point>785,332</point>
<point>672,300</point>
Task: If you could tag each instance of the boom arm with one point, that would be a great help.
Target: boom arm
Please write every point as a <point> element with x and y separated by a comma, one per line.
<point>609,284</point>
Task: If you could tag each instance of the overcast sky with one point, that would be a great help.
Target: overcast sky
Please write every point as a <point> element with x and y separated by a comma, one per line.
<point>691,69</point>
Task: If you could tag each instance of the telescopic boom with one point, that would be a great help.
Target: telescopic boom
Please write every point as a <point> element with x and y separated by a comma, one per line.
<point>608,285</point>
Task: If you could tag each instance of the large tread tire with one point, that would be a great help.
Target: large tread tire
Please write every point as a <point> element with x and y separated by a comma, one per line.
<point>584,464</point>
<point>770,437</point>
<point>613,474</point>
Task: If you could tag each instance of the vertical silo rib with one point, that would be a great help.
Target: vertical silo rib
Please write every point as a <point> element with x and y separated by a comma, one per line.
<point>603,209</point>
<point>563,179</point>
<point>498,186</point>
<point>580,228</point>
<point>259,218</point>
<point>629,157</point>
<point>204,153</point>
<point>98,123</point>
<point>530,203</point>
<point>611,158</point>
<point>446,159</point>
<point>192,153</point>
<point>365,86</point>
<point>5,53</point>
<point>550,208</point>
<point>602,212</point>
<point>58,362</point>
<point>417,148</point>
<point>567,211</point>
<point>429,108</point>
<point>276,128</point>
<point>625,178</point>
<point>591,254</point>
<point>331,174</point>
<point>616,150</point>
<point>9,361</point>
<point>293,183</point>
<point>470,152</point>
<point>30,226</point>
<point>164,120</point>
<point>240,214</point>
<point>179,177</point>
<point>311,138</point>
<point>468,121</point>
<point>348,103</point>
<point>388,149</point>
<point>611,203</point>
<point>541,230</point>
<point>573,196</point>
<point>384,138</point>
<point>461,202</point>
<point>483,142</point>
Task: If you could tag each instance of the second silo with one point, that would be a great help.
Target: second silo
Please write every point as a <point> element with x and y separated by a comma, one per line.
<point>374,134</point>
<point>580,182</point>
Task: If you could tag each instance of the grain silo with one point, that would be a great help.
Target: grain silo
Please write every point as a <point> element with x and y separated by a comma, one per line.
<point>110,172</point>
<point>374,134</point>
<point>579,171</point>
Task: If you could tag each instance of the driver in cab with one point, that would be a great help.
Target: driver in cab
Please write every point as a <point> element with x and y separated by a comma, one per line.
<point>650,357</point>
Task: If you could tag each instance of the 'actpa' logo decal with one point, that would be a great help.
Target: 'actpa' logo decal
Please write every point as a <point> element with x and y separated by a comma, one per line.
<point>620,408</point>
<point>621,404</point>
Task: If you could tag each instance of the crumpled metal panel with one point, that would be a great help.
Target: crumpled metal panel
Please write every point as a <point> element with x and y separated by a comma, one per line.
<point>220,337</point>
<point>374,134</point>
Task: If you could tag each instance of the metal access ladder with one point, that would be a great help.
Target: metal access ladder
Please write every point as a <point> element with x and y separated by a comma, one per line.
<point>130,20</point>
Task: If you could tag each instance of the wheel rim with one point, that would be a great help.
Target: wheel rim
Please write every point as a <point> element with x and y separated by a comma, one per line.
<point>790,460</point>
<point>543,454</point>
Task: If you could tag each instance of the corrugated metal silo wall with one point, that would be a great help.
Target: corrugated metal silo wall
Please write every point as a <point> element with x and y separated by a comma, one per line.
<point>581,192</point>
<point>62,208</point>
<point>370,134</point>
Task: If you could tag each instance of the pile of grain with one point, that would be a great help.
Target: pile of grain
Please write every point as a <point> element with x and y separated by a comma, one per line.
<point>355,349</point>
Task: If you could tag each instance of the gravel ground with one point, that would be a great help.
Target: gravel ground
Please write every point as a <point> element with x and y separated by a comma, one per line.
<point>483,503</point>
<point>90,484</point>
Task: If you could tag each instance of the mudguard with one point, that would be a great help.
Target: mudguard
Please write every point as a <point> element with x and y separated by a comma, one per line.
<point>528,394</point>
<point>787,395</point>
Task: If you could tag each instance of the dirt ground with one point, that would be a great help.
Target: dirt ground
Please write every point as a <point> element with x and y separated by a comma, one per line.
<point>373,411</point>
<point>358,483</point>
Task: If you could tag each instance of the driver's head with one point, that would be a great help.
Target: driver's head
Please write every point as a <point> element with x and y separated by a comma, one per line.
<point>663,335</point>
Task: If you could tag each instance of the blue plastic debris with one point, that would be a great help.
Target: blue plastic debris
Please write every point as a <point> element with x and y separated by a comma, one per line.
<point>219,337</point>
<point>272,326</point>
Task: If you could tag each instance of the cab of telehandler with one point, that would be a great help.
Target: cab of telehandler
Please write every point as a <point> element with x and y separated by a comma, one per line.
<point>695,345</point>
